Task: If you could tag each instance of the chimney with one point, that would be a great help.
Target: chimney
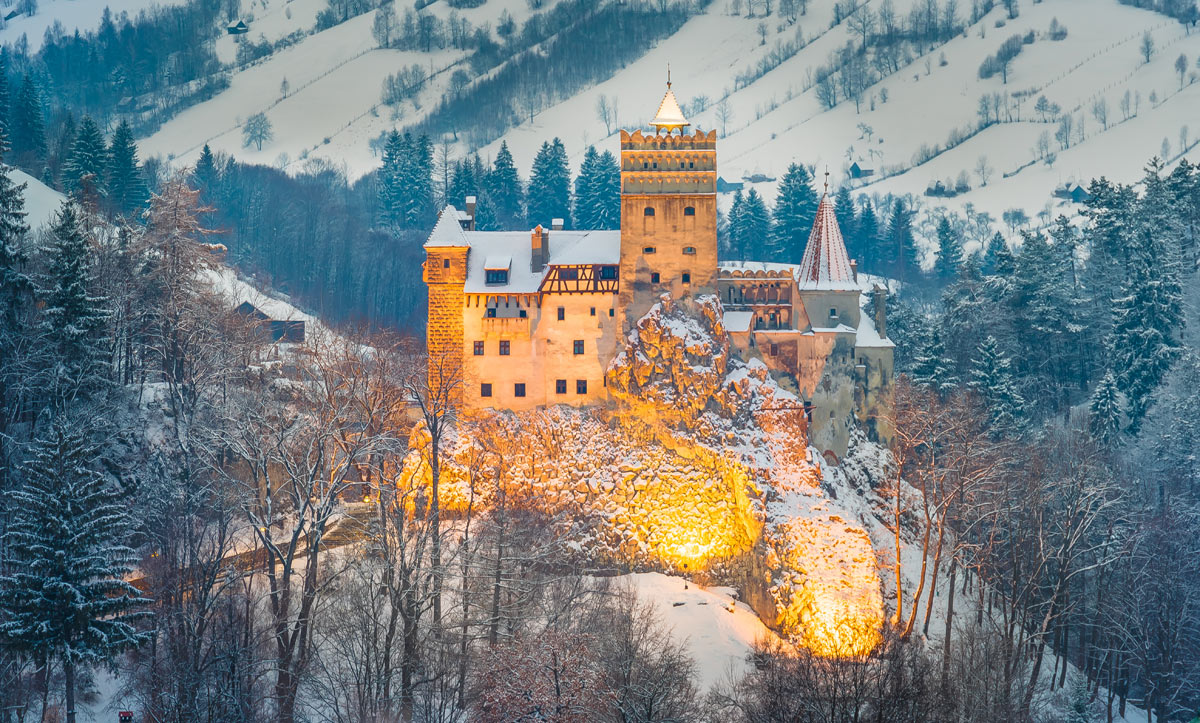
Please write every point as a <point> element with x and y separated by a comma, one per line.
<point>880,300</point>
<point>556,224</point>
<point>853,263</point>
<point>539,249</point>
<point>470,213</point>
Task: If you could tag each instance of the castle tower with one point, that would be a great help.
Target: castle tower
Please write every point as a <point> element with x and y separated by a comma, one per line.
<point>668,211</point>
<point>445,273</point>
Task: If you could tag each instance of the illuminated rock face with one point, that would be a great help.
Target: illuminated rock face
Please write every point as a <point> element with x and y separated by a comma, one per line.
<point>701,458</point>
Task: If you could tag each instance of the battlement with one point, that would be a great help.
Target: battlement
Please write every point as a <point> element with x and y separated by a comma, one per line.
<point>698,141</point>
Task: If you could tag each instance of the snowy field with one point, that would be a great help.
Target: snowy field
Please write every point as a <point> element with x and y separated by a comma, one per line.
<point>73,15</point>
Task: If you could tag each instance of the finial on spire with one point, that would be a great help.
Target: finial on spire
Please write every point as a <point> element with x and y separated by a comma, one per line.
<point>826,179</point>
<point>668,76</point>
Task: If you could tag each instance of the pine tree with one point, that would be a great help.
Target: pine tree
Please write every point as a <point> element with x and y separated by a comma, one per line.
<point>949,253</point>
<point>124,186</point>
<point>395,150</point>
<point>795,213</point>
<point>755,224</point>
<point>463,183</point>
<point>550,186</point>
<point>584,185</point>
<point>88,157</point>
<point>998,259</point>
<point>864,245</point>
<point>901,247</point>
<point>416,183</point>
<point>15,286</point>
<point>843,211</point>
<point>1105,410</point>
<point>606,213</point>
<point>65,597</point>
<point>29,125</point>
<point>72,318</point>
<point>734,226</point>
<point>206,174</point>
<point>504,188</point>
<point>932,368</point>
<point>991,376</point>
<point>5,95</point>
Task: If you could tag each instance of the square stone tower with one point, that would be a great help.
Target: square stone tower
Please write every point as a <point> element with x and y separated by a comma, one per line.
<point>668,211</point>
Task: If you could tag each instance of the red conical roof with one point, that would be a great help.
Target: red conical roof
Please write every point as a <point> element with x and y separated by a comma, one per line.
<point>826,265</point>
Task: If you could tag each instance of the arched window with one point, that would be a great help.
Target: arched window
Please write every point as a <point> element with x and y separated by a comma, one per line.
<point>649,211</point>
<point>689,211</point>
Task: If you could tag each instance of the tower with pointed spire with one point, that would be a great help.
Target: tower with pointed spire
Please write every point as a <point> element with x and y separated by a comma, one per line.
<point>668,210</point>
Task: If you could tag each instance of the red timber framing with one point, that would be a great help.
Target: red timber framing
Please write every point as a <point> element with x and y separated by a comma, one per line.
<point>583,279</point>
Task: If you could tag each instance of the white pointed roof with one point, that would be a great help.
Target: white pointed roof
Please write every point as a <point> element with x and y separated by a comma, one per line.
<point>826,264</point>
<point>448,230</point>
<point>669,115</point>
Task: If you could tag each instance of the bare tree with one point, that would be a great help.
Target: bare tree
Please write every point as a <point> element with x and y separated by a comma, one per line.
<point>1100,112</point>
<point>724,115</point>
<point>605,113</point>
<point>257,131</point>
<point>1147,46</point>
<point>984,170</point>
<point>1181,67</point>
<point>862,23</point>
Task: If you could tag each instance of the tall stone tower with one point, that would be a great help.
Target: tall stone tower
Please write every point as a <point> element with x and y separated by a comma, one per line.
<point>668,211</point>
<point>445,273</point>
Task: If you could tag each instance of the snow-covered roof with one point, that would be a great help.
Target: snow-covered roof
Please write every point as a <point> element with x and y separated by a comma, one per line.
<point>738,320</point>
<point>447,231</point>
<point>669,114</point>
<point>826,265</point>
<point>868,336</point>
<point>490,250</point>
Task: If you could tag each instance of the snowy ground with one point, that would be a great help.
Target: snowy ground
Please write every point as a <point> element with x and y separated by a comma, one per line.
<point>41,201</point>
<point>73,15</point>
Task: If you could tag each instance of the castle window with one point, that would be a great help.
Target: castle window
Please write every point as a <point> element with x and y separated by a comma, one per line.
<point>491,312</point>
<point>523,313</point>
<point>562,313</point>
<point>608,273</point>
<point>832,313</point>
<point>689,250</point>
<point>612,312</point>
<point>505,347</point>
<point>497,276</point>
<point>568,274</point>
<point>519,390</point>
<point>656,164</point>
<point>581,386</point>
<point>687,278</point>
<point>649,250</point>
<point>560,386</point>
<point>654,277</point>
<point>689,211</point>
<point>445,263</point>
<point>485,390</point>
<point>478,348</point>
<point>593,311</point>
<point>578,346</point>
<point>648,211</point>
<point>691,164</point>
<point>645,164</point>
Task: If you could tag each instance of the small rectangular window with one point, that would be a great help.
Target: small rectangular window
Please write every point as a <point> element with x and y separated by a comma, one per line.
<point>568,274</point>
<point>581,386</point>
<point>479,348</point>
<point>485,390</point>
<point>560,386</point>
<point>612,312</point>
<point>687,278</point>
<point>523,313</point>
<point>578,346</point>
<point>445,263</point>
<point>491,312</point>
<point>689,250</point>
<point>593,311</point>
<point>774,350</point>
<point>648,250</point>
<point>654,277</point>
<point>608,272</point>
<point>562,313</point>
<point>505,347</point>
<point>832,313</point>
<point>497,276</point>
<point>519,389</point>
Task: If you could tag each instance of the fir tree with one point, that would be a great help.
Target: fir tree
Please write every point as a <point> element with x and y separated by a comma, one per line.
<point>65,597</point>
<point>1104,418</point>
<point>843,210</point>
<point>206,174</point>
<point>5,95</point>
<point>931,368</point>
<point>29,125</point>
<point>417,183</point>
<point>606,213</point>
<point>124,186</point>
<point>395,150</point>
<point>998,259</point>
<point>88,157</point>
<point>584,183</point>
<point>550,186</point>
<point>795,213</point>
<point>901,248</point>
<point>504,188</point>
<point>949,253</point>
<point>863,245</point>
<point>733,225</point>
<point>991,376</point>
<point>72,318</point>
<point>750,227</point>
<point>463,183</point>
<point>15,286</point>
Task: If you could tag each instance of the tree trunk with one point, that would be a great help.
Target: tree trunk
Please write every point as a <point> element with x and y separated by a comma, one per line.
<point>69,676</point>
<point>949,622</point>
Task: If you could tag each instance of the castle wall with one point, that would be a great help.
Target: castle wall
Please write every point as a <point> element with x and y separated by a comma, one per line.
<point>445,272</point>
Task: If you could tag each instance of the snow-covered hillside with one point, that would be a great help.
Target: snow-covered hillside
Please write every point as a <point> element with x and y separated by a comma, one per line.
<point>332,106</point>
<point>71,15</point>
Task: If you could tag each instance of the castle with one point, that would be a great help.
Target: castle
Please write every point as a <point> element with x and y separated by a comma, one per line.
<point>534,318</point>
